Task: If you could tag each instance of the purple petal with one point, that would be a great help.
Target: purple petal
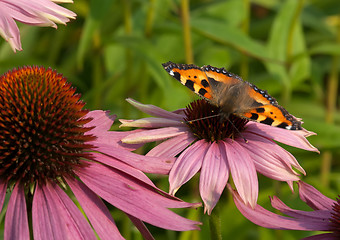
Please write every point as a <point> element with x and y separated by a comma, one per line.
<point>150,123</point>
<point>101,120</point>
<point>155,111</point>
<point>141,227</point>
<point>158,165</point>
<point>314,198</point>
<point>47,222</point>
<point>243,171</point>
<point>69,219</point>
<point>3,190</point>
<point>214,176</point>
<point>9,30</point>
<point>295,138</point>
<point>267,219</point>
<point>154,135</point>
<point>134,197</point>
<point>16,223</point>
<point>121,166</point>
<point>270,159</point>
<point>95,210</point>
<point>172,146</point>
<point>187,165</point>
<point>325,236</point>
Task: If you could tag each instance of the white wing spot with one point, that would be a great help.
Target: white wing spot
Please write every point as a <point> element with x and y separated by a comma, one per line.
<point>171,73</point>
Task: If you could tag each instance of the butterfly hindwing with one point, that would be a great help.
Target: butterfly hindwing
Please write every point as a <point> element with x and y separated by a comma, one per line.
<point>233,95</point>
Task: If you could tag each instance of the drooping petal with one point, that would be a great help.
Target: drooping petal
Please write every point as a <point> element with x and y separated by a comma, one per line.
<point>214,176</point>
<point>3,190</point>
<point>47,223</point>
<point>10,31</point>
<point>115,163</point>
<point>101,120</point>
<point>134,197</point>
<point>155,111</point>
<point>158,165</point>
<point>95,210</point>
<point>317,216</point>
<point>172,146</point>
<point>267,219</point>
<point>295,138</point>
<point>16,222</point>
<point>269,158</point>
<point>243,171</point>
<point>314,198</point>
<point>61,215</point>
<point>187,165</point>
<point>154,135</point>
<point>324,236</point>
<point>150,123</point>
<point>141,227</point>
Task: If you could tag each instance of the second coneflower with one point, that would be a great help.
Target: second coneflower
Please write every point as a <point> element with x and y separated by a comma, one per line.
<point>203,142</point>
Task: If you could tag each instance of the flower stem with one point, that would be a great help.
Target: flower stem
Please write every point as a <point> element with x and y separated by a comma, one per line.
<point>215,224</point>
<point>244,68</point>
<point>185,10</point>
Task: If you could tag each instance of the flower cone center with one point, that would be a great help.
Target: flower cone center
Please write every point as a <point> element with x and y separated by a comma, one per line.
<point>206,122</point>
<point>41,126</point>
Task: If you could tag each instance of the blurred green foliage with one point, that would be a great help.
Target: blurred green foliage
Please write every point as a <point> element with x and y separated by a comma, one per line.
<point>114,50</point>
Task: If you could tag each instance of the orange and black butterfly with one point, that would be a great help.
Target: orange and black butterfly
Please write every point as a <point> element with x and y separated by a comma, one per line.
<point>232,94</point>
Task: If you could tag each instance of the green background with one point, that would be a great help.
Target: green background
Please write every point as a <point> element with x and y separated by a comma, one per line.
<point>115,48</point>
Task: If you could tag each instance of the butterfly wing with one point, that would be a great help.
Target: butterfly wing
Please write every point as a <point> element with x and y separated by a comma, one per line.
<point>190,76</point>
<point>233,95</point>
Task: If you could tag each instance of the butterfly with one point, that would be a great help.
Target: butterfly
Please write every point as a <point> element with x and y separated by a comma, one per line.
<point>232,95</point>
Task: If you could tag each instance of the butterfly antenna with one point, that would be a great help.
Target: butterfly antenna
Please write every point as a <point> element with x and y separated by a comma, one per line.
<point>198,119</point>
<point>238,131</point>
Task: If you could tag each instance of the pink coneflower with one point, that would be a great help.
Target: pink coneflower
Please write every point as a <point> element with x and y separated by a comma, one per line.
<point>324,217</point>
<point>51,148</point>
<point>203,142</point>
<point>32,12</point>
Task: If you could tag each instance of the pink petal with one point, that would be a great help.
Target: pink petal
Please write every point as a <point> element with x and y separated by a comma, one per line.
<point>61,214</point>
<point>154,135</point>
<point>214,176</point>
<point>314,198</point>
<point>187,165</point>
<point>150,123</point>
<point>141,227</point>
<point>295,138</point>
<point>155,111</point>
<point>10,31</point>
<point>267,219</point>
<point>101,120</point>
<point>121,166</point>
<point>3,190</point>
<point>269,158</point>
<point>16,223</point>
<point>158,165</point>
<point>325,236</point>
<point>134,197</point>
<point>317,216</point>
<point>47,222</point>
<point>95,210</point>
<point>243,171</point>
<point>172,146</point>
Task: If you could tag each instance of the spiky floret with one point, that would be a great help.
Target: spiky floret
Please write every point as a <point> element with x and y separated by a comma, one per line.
<point>41,126</point>
<point>205,122</point>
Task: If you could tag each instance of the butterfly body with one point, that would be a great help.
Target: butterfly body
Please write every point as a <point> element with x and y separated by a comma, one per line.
<point>232,94</point>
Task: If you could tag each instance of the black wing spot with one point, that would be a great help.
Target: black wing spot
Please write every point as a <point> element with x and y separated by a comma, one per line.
<point>260,110</point>
<point>190,84</point>
<point>268,121</point>
<point>177,76</point>
<point>254,116</point>
<point>195,76</point>
<point>282,125</point>
<point>202,91</point>
<point>271,113</point>
<point>204,83</point>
